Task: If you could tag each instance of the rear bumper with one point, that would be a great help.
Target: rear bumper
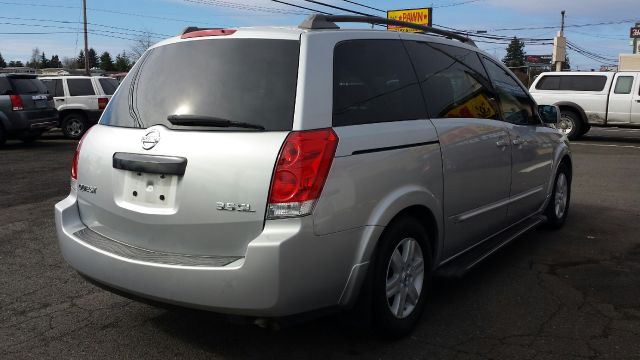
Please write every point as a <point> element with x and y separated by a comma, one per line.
<point>32,121</point>
<point>286,270</point>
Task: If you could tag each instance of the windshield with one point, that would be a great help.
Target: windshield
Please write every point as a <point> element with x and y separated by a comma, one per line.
<point>242,80</point>
<point>22,86</point>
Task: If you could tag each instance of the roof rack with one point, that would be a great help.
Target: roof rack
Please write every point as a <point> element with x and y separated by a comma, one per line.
<point>318,21</point>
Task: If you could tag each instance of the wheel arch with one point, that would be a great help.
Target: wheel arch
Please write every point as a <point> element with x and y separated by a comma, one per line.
<point>573,107</point>
<point>66,112</point>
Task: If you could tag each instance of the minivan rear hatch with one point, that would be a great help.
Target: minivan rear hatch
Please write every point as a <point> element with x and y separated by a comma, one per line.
<point>182,159</point>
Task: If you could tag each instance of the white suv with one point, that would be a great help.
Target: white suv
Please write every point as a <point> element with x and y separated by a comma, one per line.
<point>80,100</point>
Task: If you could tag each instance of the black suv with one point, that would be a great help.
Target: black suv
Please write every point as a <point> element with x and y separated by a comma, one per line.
<point>26,108</point>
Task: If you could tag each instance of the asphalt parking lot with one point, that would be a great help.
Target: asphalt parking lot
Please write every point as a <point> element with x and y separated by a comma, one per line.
<point>570,294</point>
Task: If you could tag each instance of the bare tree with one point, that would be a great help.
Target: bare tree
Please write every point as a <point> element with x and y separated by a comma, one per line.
<point>35,57</point>
<point>68,63</point>
<point>140,44</point>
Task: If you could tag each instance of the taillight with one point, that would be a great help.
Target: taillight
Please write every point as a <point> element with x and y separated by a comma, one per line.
<point>300,173</point>
<point>16,102</point>
<point>102,103</point>
<point>76,157</point>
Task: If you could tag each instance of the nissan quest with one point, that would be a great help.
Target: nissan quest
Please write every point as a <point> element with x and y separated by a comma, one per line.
<point>272,172</point>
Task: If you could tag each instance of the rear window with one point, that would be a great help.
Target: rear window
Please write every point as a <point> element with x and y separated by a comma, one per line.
<point>109,86</point>
<point>27,86</point>
<point>244,80</point>
<point>572,82</point>
<point>80,87</point>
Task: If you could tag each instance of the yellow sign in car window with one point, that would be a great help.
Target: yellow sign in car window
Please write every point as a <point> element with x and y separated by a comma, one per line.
<point>420,16</point>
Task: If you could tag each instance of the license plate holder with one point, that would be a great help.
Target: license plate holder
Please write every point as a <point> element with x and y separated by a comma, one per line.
<point>150,190</point>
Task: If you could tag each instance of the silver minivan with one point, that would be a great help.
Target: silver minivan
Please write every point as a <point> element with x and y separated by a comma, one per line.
<point>268,172</point>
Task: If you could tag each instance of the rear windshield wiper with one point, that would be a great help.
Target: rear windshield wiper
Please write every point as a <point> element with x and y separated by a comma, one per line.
<point>201,120</point>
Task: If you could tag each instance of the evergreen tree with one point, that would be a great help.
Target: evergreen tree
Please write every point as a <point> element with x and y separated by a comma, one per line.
<point>2,62</point>
<point>515,53</point>
<point>106,63</point>
<point>93,59</point>
<point>566,65</point>
<point>80,60</point>
<point>17,63</point>
<point>55,62</point>
<point>122,62</point>
<point>44,62</point>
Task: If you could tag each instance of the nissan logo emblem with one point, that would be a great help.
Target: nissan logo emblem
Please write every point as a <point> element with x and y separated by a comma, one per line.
<point>151,139</point>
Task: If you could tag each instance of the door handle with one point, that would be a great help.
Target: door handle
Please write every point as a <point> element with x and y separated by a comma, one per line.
<point>501,143</point>
<point>638,101</point>
<point>518,141</point>
<point>59,99</point>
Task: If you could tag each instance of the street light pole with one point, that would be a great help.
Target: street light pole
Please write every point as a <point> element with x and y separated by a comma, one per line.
<point>86,40</point>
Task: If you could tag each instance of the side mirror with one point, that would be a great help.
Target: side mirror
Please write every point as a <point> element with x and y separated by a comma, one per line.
<point>550,114</point>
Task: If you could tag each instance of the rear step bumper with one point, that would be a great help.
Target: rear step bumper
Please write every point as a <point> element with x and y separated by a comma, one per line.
<point>286,269</point>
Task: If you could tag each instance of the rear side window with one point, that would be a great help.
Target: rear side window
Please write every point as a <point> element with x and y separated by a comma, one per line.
<point>373,82</point>
<point>623,85</point>
<point>54,86</point>
<point>80,87</point>
<point>572,82</point>
<point>454,83</point>
<point>5,87</point>
<point>109,86</point>
<point>23,86</point>
<point>245,80</point>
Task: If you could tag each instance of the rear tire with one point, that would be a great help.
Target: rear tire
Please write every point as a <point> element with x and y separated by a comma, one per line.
<point>74,125</point>
<point>558,207</point>
<point>402,275</point>
<point>571,124</point>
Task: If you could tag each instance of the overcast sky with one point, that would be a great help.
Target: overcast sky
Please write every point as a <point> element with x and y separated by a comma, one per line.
<point>54,25</point>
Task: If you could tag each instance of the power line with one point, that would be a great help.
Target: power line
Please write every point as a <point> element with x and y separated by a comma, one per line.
<point>574,25</point>
<point>367,6</point>
<point>95,24</point>
<point>302,7</point>
<point>237,6</point>
<point>338,7</point>
<point>106,11</point>
<point>456,4</point>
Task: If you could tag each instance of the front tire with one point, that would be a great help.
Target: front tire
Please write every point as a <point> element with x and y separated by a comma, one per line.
<point>558,207</point>
<point>571,125</point>
<point>402,275</point>
<point>74,125</point>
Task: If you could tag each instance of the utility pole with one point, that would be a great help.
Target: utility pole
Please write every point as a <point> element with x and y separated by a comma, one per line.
<point>86,40</point>
<point>560,47</point>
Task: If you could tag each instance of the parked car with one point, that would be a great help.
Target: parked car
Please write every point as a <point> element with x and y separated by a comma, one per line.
<point>590,99</point>
<point>26,109</point>
<point>277,171</point>
<point>80,100</point>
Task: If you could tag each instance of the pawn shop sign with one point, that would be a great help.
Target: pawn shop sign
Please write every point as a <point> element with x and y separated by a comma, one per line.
<point>420,16</point>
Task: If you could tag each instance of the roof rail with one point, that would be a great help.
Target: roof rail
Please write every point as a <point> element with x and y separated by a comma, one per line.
<point>318,21</point>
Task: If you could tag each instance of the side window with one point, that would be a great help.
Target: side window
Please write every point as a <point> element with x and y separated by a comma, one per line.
<point>373,81</point>
<point>59,91</point>
<point>623,85</point>
<point>453,81</point>
<point>515,104</point>
<point>80,87</point>
<point>50,85</point>
<point>548,82</point>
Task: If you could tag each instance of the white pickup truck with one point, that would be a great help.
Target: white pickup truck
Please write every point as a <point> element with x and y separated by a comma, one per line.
<point>590,99</point>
